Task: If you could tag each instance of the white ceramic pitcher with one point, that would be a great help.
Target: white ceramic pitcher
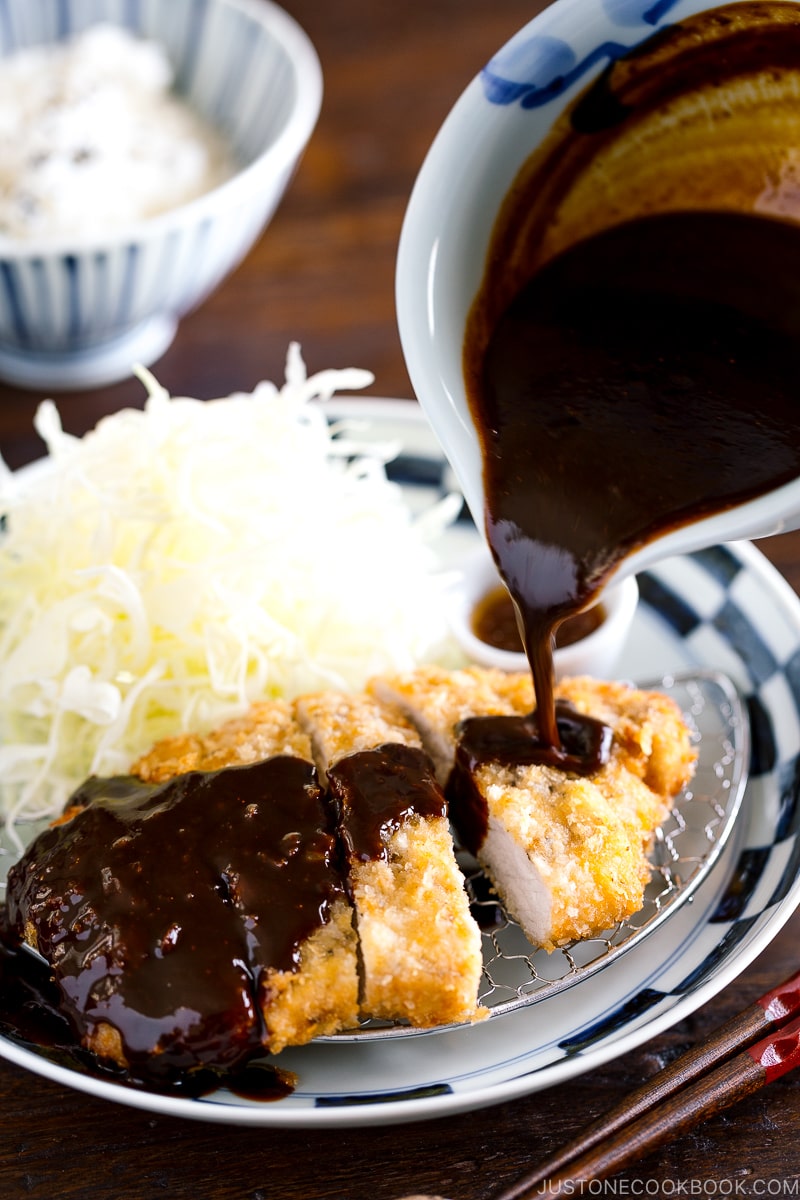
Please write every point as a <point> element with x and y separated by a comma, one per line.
<point>498,121</point>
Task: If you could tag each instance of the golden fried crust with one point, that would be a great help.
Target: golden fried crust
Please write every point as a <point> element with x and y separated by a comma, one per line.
<point>321,997</point>
<point>583,863</point>
<point>650,735</point>
<point>651,739</point>
<point>105,1041</point>
<point>265,730</point>
<point>567,854</point>
<point>338,724</point>
<point>169,757</point>
<point>435,700</point>
<point>420,946</point>
<point>406,975</point>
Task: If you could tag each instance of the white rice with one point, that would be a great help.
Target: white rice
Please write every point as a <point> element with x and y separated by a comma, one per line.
<point>91,137</point>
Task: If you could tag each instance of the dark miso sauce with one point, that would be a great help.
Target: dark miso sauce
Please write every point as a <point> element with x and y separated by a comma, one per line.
<point>379,789</point>
<point>639,373</point>
<point>31,1017</point>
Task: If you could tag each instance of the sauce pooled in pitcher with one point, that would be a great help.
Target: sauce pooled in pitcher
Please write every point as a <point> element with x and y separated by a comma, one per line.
<point>631,359</point>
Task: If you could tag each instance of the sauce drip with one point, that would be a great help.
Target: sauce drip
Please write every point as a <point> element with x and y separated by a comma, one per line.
<point>160,905</point>
<point>378,790</point>
<point>630,359</point>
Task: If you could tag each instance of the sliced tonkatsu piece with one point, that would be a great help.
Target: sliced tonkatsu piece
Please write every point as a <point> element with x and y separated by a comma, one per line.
<point>196,917</point>
<point>436,700</point>
<point>419,946</point>
<point>567,852</point>
<point>651,743</point>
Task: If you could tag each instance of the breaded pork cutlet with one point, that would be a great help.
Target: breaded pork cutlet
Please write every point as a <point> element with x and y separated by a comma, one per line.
<point>567,853</point>
<point>195,916</point>
<point>420,948</point>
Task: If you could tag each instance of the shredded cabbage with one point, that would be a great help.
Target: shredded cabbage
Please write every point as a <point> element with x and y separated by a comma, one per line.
<point>176,563</point>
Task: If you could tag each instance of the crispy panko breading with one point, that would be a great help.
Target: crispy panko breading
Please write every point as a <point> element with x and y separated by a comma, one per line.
<point>420,947</point>
<point>566,853</point>
<point>266,729</point>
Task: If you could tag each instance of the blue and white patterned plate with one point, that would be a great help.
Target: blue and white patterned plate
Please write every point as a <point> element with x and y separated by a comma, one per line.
<point>724,609</point>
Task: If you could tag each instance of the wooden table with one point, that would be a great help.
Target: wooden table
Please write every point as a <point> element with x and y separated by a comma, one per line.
<point>323,274</point>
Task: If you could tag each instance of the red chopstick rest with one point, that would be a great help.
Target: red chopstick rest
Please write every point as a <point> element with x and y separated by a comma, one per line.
<point>779,1052</point>
<point>783,1001</point>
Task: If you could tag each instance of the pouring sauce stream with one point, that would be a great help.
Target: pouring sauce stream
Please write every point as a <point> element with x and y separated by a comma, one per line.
<point>644,374</point>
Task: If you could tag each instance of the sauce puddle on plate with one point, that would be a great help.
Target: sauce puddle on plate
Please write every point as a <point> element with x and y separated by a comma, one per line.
<point>31,1017</point>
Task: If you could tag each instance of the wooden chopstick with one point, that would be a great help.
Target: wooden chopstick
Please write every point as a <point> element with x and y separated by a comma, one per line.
<point>736,1060</point>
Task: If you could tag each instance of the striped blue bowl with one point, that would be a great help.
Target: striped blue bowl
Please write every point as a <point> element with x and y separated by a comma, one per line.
<point>83,314</point>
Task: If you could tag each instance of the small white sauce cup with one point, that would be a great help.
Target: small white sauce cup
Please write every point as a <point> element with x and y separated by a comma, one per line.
<point>596,654</point>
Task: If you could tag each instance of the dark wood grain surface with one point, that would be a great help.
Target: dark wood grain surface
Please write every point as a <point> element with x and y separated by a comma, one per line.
<point>323,274</point>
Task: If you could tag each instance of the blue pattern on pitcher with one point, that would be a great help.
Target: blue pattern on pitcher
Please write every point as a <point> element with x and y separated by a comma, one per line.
<point>535,70</point>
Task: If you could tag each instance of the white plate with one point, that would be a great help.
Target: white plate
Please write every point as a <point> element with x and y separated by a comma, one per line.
<point>725,608</point>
